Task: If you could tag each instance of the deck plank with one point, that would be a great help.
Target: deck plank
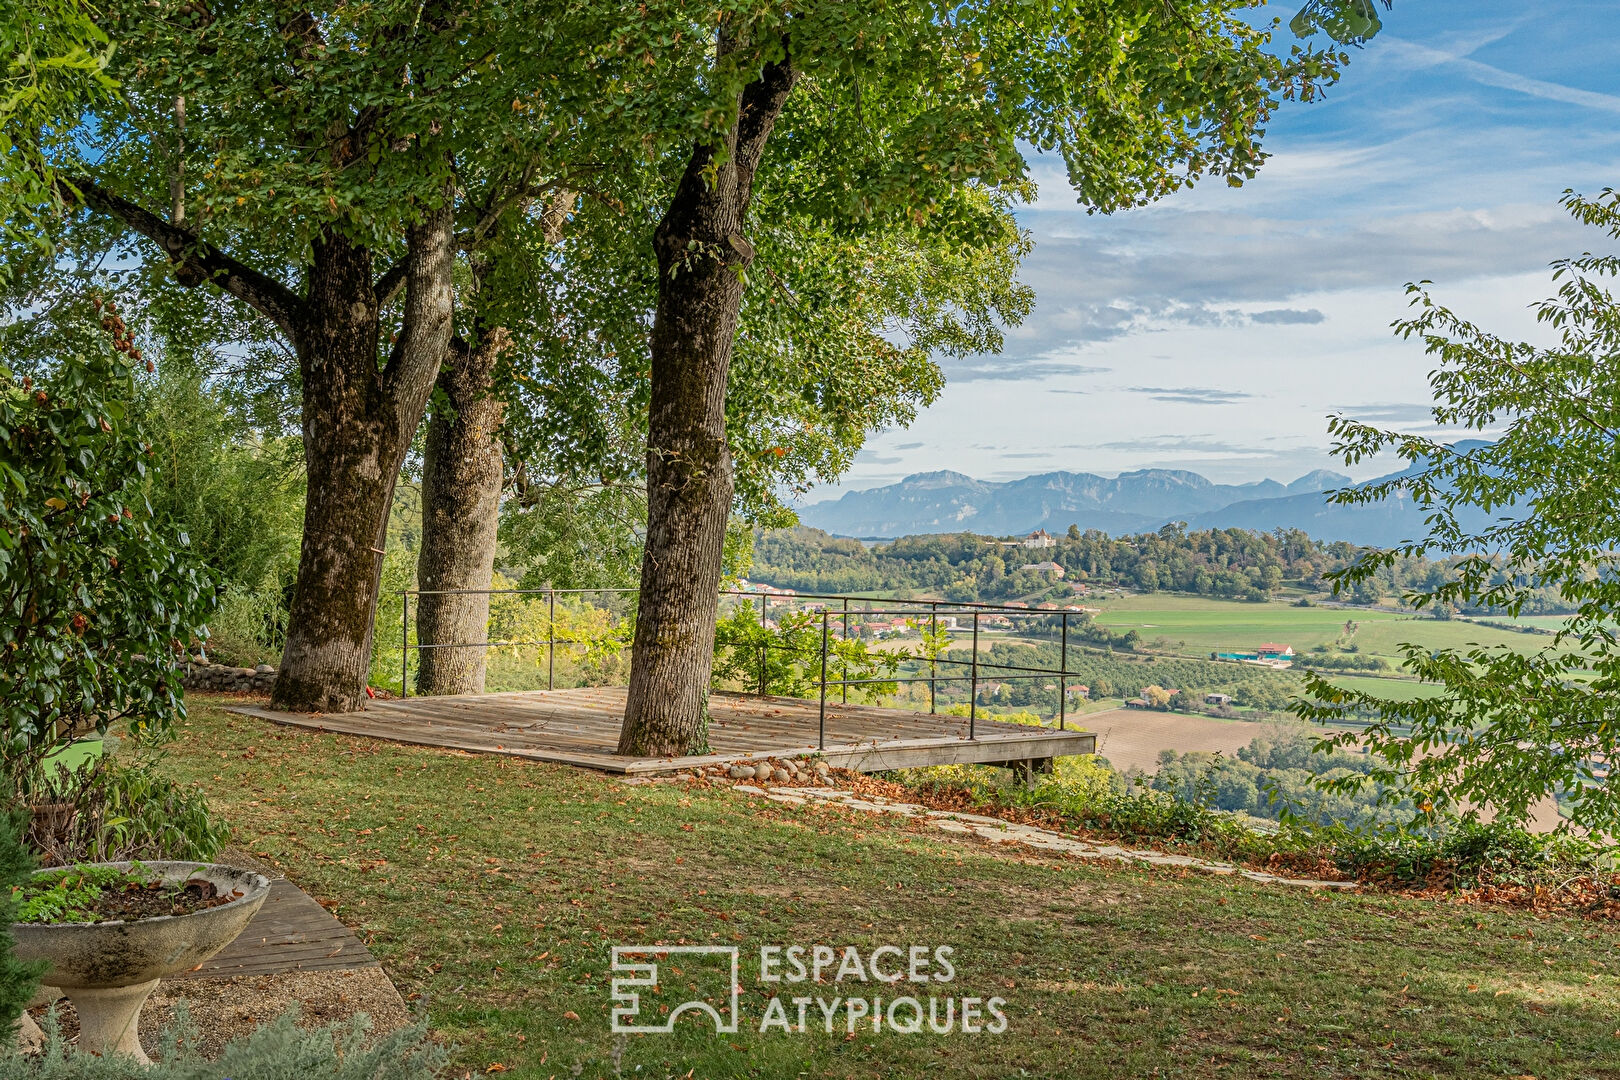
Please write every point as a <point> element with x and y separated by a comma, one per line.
<point>291,932</point>
<point>580,727</point>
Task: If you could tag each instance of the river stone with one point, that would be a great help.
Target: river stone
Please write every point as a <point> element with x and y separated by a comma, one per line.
<point>781,776</point>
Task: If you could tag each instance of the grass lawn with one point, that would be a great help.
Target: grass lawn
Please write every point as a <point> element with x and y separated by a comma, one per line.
<point>494,888</point>
<point>1208,625</point>
<point>74,754</point>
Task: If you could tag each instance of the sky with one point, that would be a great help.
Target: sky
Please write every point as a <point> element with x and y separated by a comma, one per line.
<point>1217,329</point>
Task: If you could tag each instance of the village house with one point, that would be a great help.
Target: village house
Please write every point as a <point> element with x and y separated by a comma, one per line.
<point>1040,538</point>
<point>1218,699</point>
<point>1048,567</point>
<point>1273,651</point>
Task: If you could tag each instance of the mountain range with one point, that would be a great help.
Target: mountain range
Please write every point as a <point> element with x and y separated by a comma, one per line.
<point>1132,502</point>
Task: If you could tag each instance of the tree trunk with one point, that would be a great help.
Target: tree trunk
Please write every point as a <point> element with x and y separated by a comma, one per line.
<point>462,478</point>
<point>359,419</point>
<point>462,475</point>
<point>702,252</point>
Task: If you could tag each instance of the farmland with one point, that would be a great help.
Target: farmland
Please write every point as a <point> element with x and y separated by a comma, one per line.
<point>1198,625</point>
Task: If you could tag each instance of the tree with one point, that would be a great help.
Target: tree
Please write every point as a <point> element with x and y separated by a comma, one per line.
<point>816,365</point>
<point>98,605</point>
<point>1349,22</point>
<point>55,59</point>
<point>903,110</point>
<point>314,165</point>
<point>1509,728</point>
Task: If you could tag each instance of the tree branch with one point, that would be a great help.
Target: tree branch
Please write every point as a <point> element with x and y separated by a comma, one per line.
<point>195,260</point>
<point>391,281</point>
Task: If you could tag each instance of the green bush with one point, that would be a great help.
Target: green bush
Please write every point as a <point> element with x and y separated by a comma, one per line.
<point>280,1050</point>
<point>124,808</point>
<point>98,602</point>
<point>250,626</point>
<point>17,979</point>
<point>1114,809</point>
<point>1444,853</point>
<point>1464,855</point>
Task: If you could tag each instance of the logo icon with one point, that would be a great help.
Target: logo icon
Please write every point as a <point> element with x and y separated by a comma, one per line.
<point>631,976</point>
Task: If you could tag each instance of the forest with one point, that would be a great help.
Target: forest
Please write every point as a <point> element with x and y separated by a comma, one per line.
<point>1278,775</point>
<point>1232,564</point>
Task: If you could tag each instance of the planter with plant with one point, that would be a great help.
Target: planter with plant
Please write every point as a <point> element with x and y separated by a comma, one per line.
<point>107,933</point>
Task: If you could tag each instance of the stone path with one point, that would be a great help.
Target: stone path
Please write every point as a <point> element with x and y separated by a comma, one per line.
<point>998,831</point>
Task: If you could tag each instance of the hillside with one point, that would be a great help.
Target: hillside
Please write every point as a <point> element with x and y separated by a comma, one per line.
<point>1230,563</point>
<point>1141,501</point>
<point>1130,502</point>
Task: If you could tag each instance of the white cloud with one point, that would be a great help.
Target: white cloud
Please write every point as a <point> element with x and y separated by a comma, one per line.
<point>1441,160</point>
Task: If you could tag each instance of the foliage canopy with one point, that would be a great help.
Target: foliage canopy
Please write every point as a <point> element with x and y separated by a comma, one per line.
<point>1511,727</point>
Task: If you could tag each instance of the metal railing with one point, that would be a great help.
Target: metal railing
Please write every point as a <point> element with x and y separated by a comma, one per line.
<point>934,610</point>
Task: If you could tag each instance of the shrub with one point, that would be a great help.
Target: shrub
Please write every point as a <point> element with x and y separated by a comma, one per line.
<point>123,807</point>
<point>97,604</point>
<point>17,979</point>
<point>280,1050</point>
<point>250,626</point>
<point>1464,855</point>
<point>1182,811</point>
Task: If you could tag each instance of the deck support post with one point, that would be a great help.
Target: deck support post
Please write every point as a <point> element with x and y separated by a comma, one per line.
<point>933,656</point>
<point>551,639</point>
<point>1063,675</point>
<point>821,723</point>
<point>404,643</point>
<point>973,683</point>
<point>843,662</point>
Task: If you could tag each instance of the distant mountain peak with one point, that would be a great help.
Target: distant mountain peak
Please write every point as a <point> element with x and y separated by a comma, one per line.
<point>1318,480</point>
<point>938,478</point>
<point>1182,476</point>
<point>1132,502</point>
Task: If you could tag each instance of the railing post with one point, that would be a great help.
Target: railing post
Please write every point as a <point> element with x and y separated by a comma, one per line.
<point>404,643</point>
<point>821,729</point>
<point>843,662</point>
<point>973,681</point>
<point>551,639</point>
<point>1063,675</point>
<point>933,656</point>
<point>762,645</point>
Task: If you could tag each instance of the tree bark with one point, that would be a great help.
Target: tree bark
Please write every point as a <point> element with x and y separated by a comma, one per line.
<point>462,477</point>
<point>702,251</point>
<point>358,423</point>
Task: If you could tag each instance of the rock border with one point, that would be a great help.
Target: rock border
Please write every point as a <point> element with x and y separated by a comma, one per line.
<point>200,674</point>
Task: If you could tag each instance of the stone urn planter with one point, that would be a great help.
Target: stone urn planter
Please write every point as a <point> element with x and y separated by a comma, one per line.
<point>109,969</point>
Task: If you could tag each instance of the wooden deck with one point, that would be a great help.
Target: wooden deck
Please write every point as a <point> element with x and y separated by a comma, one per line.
<point>291,932</point>
<point>581,727</point>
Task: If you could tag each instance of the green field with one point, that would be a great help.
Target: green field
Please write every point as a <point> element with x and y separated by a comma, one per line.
<point>1197,625</point>
<point>1392,689</point>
